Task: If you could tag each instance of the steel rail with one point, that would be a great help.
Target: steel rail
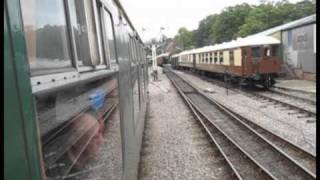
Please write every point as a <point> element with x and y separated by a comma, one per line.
<point>310,113</point>
<point>214,127</point>
<point>258,95</point>
<point>307,173</point>
<point>301,155</point>
<point>241,153</point>
<point>274,90</point>
<point>235,172</point>
<point>306,158</point>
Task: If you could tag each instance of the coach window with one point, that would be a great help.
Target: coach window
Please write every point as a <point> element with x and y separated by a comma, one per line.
<point>85,34</point>
<point>131,49</point>
<point>211,54</point>
<point>206,57</point>
<point>267,52</point>
<point>45,28</point>
<point>203,57</point>
<point>98,20</point>
<point>256,52</point>
<point>138,51</point>
<point>231,56</point>
<point>215,57</point>
<point>221,57</point>
<point>108,33</point>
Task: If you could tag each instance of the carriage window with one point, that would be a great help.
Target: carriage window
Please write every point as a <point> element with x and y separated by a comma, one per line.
<point>46,35</point>
<point>290,38</point>
<point>256,52</point>
<point>221,57</point>
<point>133,51</point>
<point>84,32</point>
<point>211,54</point>
<point>231,56</point>
<point>203,57</point>
<point>215,57</point>
<point>98,19</point>
<point>109,37</point>
<point>267,52</point>
<point>137,51</point>
<point>72,126</point>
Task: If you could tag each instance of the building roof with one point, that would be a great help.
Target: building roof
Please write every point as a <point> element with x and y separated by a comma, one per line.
<point>300,22</point>
<point>240,42</point>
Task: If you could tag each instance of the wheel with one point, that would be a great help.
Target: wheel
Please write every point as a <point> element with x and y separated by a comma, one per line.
<point>268,82</point>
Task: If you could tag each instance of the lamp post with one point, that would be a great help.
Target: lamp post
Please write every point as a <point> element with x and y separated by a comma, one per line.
<point>154,57</point>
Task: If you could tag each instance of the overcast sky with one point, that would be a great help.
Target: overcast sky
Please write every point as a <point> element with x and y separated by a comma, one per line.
<point>173,14</point>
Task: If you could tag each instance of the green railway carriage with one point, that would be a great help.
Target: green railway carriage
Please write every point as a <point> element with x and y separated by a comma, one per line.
<point>69,67</point>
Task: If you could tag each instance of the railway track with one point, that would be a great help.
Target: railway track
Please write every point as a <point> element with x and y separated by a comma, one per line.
<point>237,139</point>
<point>295,95</point>
<point>298,104</point>
<point>216,163</point>
<point>301,109</point>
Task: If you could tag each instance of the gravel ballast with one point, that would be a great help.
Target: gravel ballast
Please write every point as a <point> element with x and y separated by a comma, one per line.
<point>274,118</point>
<point>175,146</point>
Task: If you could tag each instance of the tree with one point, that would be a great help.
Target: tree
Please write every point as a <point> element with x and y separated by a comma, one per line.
<point>268,15</point>
<point>184,38</point>
<point>201,36</point>
<point>243,20</point>
<point>227,24</point>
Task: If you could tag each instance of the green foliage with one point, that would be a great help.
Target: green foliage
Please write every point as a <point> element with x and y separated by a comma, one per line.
<point>269,15</point>
<point>242,20</point>
<point>201,36</point>
<point>184,38</point>
<point>228,23</point>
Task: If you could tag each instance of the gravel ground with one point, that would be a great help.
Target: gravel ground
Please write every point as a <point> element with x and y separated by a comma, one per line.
<point>107,165</point>
<point>175,147</point>
<point>266,114</point>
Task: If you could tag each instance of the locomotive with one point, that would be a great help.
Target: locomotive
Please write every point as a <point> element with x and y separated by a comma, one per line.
<point>250,60</point>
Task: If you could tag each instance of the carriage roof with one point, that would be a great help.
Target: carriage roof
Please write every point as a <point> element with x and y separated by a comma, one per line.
<point>239,42</point>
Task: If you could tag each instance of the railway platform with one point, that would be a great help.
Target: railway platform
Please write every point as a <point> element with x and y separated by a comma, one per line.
<point>174,145</point>
<point>297,85</point>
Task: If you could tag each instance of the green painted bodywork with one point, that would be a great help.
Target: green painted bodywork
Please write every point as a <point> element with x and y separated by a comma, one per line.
<point>21,147</point>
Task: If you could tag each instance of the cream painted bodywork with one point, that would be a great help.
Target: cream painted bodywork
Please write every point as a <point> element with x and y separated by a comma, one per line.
<point>226,60</point>
<point>237,57</point>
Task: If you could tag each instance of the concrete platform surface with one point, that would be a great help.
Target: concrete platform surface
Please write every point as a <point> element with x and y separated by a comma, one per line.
<point>297,85</point>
